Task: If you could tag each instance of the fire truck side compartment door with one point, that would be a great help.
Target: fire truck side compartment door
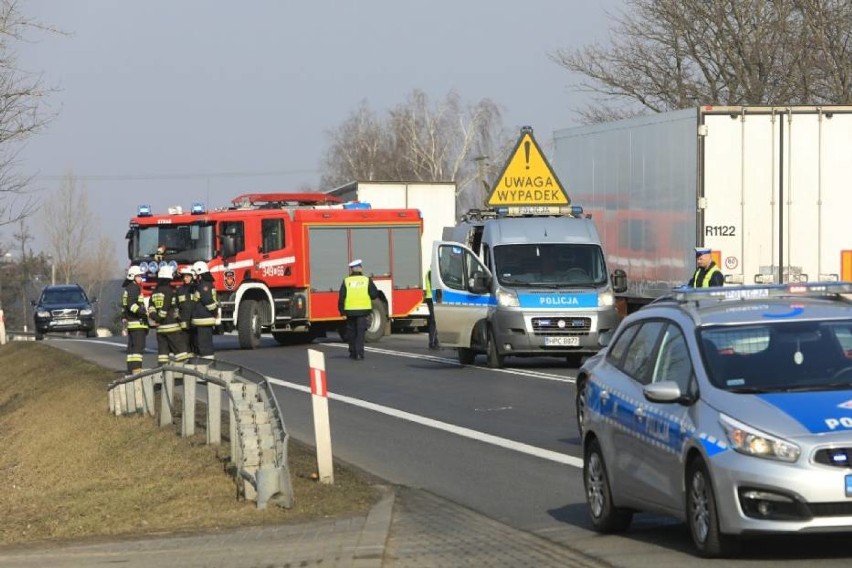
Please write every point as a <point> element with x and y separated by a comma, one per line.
<point>461,287</point>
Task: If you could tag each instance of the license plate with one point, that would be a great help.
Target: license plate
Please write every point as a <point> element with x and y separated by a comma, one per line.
<point>849,485</point>
<point>564,341</point>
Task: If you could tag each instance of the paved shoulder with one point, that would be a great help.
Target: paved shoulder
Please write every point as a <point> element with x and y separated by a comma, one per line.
<point>429,531</point>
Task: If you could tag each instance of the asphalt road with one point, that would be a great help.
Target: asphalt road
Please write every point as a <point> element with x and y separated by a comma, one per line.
<point>502,442</point>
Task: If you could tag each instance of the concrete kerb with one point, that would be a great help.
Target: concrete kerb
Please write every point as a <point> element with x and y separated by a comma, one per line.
<point>370,550</point>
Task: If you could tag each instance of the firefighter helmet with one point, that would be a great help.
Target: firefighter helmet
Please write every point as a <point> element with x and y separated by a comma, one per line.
<point>133,272</point>
<point>186,271</point>
<point>200,267</point>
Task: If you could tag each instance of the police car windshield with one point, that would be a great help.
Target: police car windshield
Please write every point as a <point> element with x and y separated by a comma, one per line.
<point>549,265</point>
<point>779,356</point>
<point>184,243</point>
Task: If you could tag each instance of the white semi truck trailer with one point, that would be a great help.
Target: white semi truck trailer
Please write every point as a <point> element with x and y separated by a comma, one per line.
<point>768,189</point>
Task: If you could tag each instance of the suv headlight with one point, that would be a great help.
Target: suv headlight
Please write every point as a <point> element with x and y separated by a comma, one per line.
<point>752,442</point>
<point>606,299</point>
<point>86,312</point>
<point>43,313</point>
<point>507,299</point>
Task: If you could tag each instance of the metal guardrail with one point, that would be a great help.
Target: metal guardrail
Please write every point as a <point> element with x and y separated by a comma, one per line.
<point>257,434</point>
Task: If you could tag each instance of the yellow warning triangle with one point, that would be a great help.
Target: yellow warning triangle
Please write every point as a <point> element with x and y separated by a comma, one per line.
<point>527,178</point>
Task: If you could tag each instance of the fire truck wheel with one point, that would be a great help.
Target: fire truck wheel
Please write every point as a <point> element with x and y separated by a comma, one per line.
<point>248,324</point>
<point>376,322</point>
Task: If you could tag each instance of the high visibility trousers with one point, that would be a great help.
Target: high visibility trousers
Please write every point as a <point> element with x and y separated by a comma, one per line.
<point>135,348</point>
<point>204,341</point>
<point>171,343</point>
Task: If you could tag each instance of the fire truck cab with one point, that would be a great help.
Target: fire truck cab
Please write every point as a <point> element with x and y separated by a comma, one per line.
<point>278,260</point>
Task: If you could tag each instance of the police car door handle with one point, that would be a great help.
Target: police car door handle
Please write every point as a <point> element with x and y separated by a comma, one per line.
<point>639,414</point>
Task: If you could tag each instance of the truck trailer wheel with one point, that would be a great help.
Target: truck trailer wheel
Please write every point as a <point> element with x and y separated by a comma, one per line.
<point>248,324</point>
<point>377,321</point>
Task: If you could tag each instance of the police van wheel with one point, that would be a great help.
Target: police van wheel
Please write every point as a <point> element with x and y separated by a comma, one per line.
<point>495,359</point>
<point>248,324</point>
<point>376,322</point>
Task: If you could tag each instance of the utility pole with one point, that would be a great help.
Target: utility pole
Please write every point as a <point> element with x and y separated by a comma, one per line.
<point>480,177</point>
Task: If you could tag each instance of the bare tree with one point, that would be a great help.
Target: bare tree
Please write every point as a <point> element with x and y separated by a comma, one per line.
<point>417,141</point>
<point>671,54</point>
<point>96,269</point>
<point>22,112</point>
<point>68,225</point>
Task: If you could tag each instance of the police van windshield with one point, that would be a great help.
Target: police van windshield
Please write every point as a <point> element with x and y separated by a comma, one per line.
<point>780,356</point>
<point>182,243</point>
<point>549,265</point>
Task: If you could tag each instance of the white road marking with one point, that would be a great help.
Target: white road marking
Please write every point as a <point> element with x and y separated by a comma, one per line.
<point>438,425</point>
<point>519,372</point>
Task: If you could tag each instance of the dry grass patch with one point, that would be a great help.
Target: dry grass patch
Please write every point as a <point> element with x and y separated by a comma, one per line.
<point>70,469</point>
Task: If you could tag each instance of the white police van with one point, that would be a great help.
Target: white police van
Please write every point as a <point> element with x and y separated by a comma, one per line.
<point>523,281</point>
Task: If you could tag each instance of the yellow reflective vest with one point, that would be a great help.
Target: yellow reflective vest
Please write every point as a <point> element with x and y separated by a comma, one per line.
<point>357,293</point>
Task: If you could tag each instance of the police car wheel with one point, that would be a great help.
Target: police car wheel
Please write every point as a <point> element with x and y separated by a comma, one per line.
<point>605,517</point>
<point>702,515</point>
<point>580,405</point>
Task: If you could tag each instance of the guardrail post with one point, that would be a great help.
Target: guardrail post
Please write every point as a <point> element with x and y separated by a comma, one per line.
<point>130,398</point>
<point>214,414</point>
<point>148,405</point>
<point>167,399</point>
<point>138,396</point>
<point>188,418</point>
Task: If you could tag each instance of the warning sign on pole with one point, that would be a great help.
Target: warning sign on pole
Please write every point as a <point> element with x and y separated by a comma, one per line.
<point>322,426</point>
<point>527,178</point>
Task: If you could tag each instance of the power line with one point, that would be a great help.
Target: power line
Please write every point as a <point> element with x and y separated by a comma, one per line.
<point>175,176</point>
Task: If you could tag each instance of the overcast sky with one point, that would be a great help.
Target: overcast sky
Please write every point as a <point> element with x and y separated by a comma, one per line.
<point>163,102</point>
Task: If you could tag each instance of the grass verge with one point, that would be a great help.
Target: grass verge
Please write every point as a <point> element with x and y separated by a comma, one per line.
<point>70,469</point>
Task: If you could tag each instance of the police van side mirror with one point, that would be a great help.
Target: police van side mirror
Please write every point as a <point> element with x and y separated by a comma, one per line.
<point>619,281</point>
<point>479,283</point>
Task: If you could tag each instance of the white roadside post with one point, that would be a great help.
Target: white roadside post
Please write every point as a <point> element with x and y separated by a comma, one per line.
<point>322,428</point>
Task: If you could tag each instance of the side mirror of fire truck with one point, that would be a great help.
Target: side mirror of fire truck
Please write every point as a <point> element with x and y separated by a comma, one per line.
<point>229,246</point>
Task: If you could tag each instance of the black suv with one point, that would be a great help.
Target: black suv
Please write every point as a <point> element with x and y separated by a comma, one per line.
<point>64,307</point>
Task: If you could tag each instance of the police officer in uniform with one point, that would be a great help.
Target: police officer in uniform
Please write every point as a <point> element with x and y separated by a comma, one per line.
<point>185,300</point>
<point>133,308</point>
<point>162,313</point>
<point>205,309</point>
<point>706,272</point>
<point>355,301</point>
<point>427,293</point>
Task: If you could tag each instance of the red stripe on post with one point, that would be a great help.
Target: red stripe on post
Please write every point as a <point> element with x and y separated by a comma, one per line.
<point>319,385</point>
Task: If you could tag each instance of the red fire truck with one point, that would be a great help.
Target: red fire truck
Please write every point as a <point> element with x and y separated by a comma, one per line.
<point>278,260</point>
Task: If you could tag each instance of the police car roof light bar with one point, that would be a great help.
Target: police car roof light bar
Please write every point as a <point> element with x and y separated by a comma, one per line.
<point>769,291</point>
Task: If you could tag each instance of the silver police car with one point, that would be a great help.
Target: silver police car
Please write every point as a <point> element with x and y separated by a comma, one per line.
<point>729,408</point>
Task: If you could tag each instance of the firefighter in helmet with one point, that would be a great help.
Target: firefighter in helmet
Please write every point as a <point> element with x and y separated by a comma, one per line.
<point>162,313</point>
<point>134,311</point>
<point>205,309</point>
<point>184,297</point>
